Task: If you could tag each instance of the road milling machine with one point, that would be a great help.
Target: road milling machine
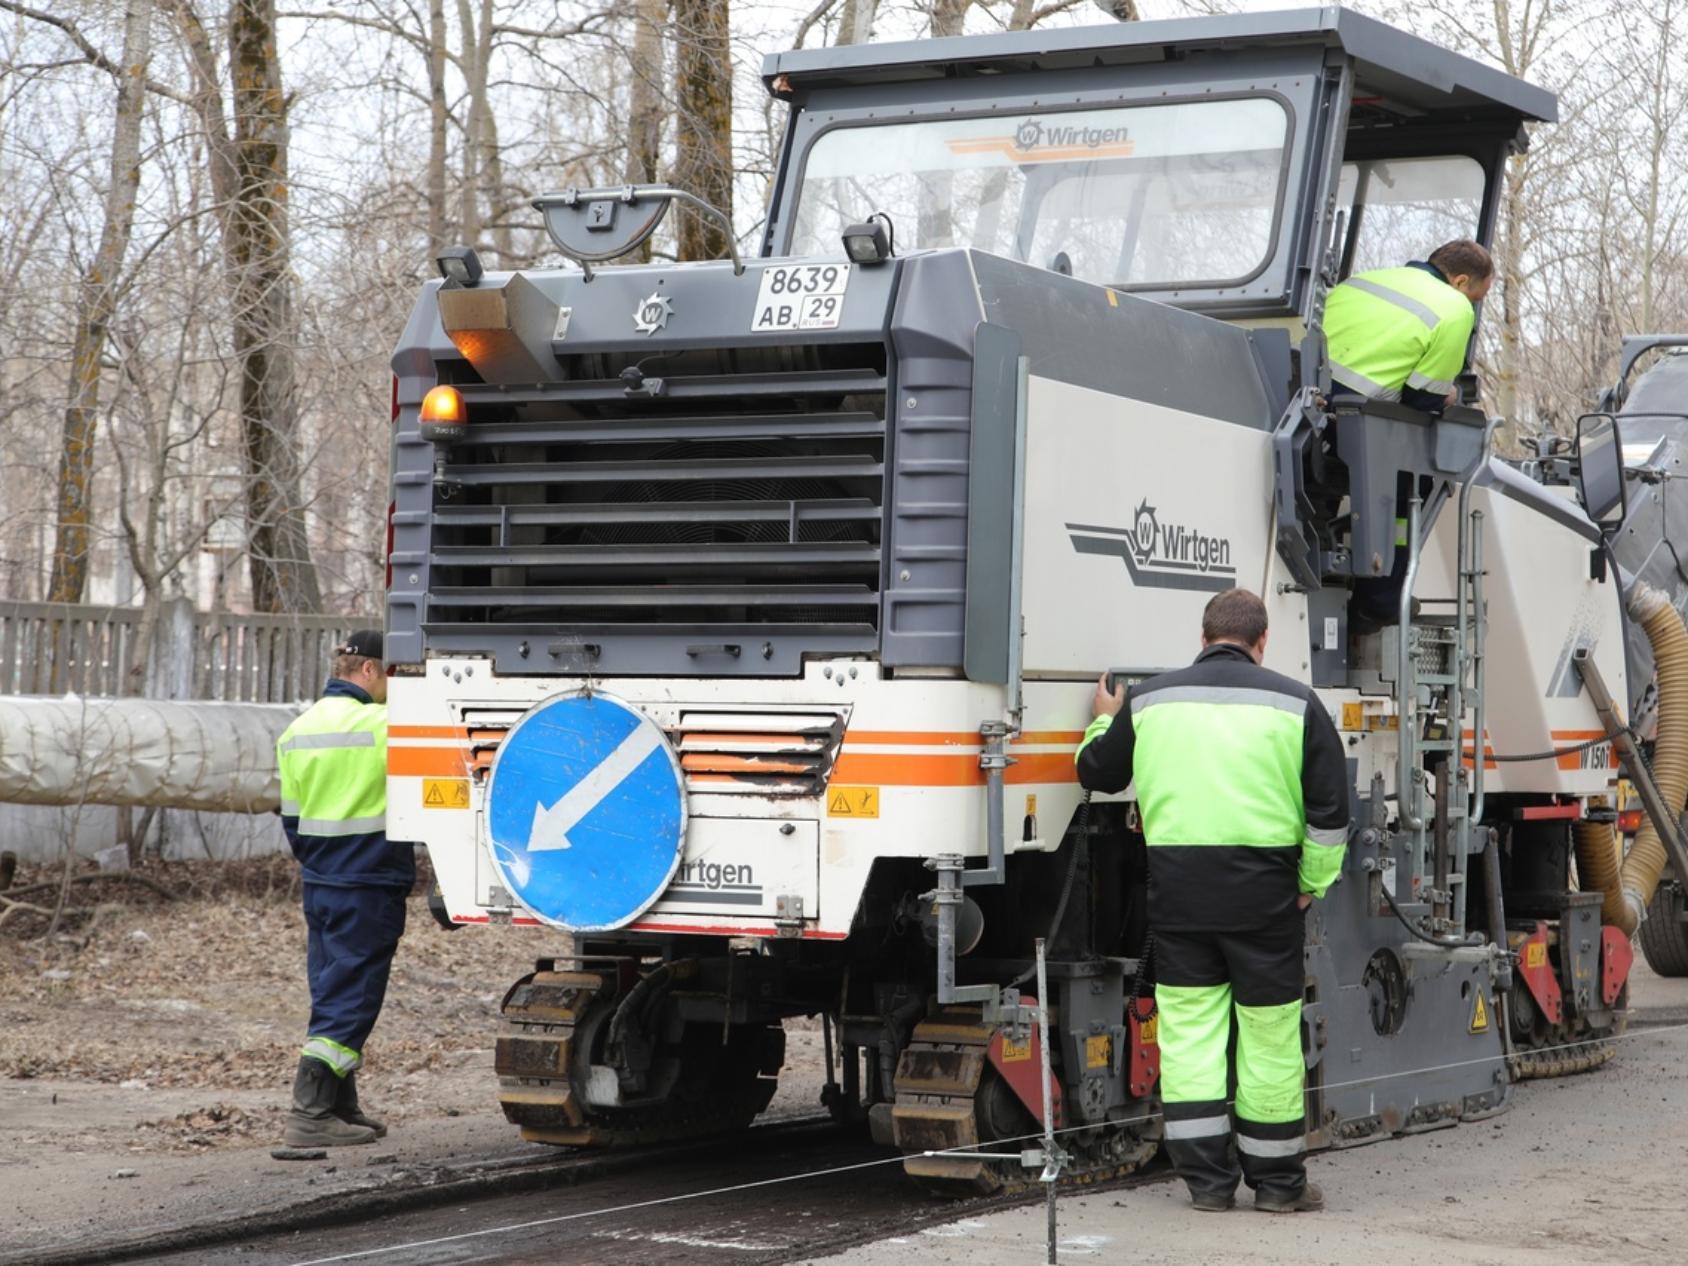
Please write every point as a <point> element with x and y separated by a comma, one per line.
<point>1653,409</point>
<point>744,614</point>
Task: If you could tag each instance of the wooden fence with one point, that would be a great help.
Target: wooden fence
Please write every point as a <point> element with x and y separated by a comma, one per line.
<point>55,648</point>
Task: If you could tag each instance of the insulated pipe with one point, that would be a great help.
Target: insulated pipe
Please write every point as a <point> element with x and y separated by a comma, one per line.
<point>1629,887</point>
<point>70,750</point>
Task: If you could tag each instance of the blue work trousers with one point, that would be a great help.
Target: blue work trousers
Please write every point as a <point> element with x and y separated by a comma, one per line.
<point>352,935</point>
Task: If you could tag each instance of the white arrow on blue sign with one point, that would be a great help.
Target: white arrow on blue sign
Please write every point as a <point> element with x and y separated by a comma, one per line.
<point>586,812</point>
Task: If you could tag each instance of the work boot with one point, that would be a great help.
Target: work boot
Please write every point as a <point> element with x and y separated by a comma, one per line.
<point>1212,1202</point>
<point>346,1106</point>
<point>1311,1200</point>
<point>312,1122</point>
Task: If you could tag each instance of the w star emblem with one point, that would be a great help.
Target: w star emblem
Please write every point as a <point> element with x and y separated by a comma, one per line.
<point>653,312</point>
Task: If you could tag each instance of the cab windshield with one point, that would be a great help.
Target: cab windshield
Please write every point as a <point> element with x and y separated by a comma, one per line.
<point>1149,197</point>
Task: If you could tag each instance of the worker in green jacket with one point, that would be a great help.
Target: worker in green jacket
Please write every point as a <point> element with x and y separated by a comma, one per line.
<point>1242,786</point>
<point>333,762</point>
<point>1401,333</point>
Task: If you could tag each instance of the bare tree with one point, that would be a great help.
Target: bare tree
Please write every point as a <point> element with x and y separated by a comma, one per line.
<point>249,177</point>
<point>703,122</point>
<point>96,302</point>
<point>645,98</point>
<point>437,119</point>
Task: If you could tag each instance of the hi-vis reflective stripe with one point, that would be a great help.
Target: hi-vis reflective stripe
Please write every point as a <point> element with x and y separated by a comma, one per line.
<point>1419,382</point>
<point>289,808</point>
<point>347,826</point>
<point>1240,695</point>
<point>1329,836</point>
<point>1199,1128</point>
<point>342,1059</point>
<point>1405,302</point>
<point>1356,381</point>
<point>1264,1147</point>
<point>355,738</point>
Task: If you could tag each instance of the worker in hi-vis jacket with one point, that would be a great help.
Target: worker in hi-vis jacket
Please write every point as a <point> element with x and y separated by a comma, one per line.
<point>1243,790</point>
<point>1401,333</point>
<point>334,809</point>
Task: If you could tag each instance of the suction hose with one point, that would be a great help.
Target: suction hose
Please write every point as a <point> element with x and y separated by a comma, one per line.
<point>1629,887</point>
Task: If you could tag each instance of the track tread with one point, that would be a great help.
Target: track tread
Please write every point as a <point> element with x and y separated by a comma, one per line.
<point>535,1059</point>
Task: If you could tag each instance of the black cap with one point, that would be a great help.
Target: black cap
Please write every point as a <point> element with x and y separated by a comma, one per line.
<point>365,642</point>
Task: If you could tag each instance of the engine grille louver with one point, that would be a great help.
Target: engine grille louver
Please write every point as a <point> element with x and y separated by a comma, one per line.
<point>722,751</point>
<point>730,521</point>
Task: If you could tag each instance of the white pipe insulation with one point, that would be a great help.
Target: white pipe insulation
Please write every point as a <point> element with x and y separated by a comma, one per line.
<point>218,757</point>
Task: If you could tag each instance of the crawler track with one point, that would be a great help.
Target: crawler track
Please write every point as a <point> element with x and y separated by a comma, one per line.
<point>556,1024</point>
<point>950,1099</point>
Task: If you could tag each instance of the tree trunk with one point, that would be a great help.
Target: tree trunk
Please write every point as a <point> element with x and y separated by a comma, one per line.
<point>257,251</point>
<point>948,17</point>
<point>703,107</point>
<point>1509,269</point>
<point>934,220</point>
<point>437,119</point>
<point>644,107</point>
<point>96,300</point>
<point>855,24</point>
<point>473,58</point>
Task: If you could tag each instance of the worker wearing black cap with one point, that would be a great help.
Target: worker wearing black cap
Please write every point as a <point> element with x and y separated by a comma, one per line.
<point>334,808</point>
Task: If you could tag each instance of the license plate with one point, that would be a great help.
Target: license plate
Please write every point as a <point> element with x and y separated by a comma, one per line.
<point>800,297</point>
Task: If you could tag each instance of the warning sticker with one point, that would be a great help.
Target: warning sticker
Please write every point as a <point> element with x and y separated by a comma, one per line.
<point>1535,955</point>
<point>1098,1051</point>
<point>445,793</point>
<point>852,802</point>
<point>1480,1016</point>
<point>1015,1052</point>
<point>1357,717</point>
<point>1148,1032</point>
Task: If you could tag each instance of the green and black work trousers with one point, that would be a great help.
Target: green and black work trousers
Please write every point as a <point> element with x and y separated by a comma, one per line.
<point>1206,982</point>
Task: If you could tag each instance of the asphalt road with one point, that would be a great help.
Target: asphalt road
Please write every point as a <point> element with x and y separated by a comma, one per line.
<point>1586,1169</point>
<point>745,1202</point>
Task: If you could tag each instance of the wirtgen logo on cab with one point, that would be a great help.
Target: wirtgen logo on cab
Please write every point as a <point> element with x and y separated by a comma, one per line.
<point>1042,141</point>
<point>1161,555</point>
<point>1036,134</point>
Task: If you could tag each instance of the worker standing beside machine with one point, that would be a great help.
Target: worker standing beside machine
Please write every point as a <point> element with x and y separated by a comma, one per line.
<point>333,763</point>
<point>1243,790</point>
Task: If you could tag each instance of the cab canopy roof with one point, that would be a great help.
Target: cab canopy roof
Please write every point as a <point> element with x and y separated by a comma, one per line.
<point>1409,73</point>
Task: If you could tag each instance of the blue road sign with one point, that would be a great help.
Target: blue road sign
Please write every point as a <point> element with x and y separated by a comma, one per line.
<point>586,812</point>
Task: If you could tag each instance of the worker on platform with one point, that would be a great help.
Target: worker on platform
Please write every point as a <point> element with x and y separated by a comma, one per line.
<point>1401,333</point>
<point>334,808</point>
<point>1243,790</point>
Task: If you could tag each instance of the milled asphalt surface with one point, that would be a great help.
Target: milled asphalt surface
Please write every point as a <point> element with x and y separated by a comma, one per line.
<point>1587,1169</point>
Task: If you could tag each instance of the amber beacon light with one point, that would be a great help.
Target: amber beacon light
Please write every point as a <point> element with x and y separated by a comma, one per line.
<point>443,415</point>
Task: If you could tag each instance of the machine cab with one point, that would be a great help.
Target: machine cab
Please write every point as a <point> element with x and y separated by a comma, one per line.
<point>1235,166</point>
<point>1222,164</point>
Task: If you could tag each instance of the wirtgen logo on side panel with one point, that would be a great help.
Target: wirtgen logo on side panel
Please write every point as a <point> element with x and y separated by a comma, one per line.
<point>1161,555</point>
<point>716,883</point>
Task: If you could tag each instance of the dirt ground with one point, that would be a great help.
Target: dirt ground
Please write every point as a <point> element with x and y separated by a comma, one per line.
<point>208,994</point>
<point>147,1051</point>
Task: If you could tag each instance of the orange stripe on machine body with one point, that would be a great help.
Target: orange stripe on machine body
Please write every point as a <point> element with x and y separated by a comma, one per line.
<point>811,934</point>
<point>725,763</point>
<point>427,731</point>
<point>958,738</point>
<point>948,771</point>
<point>431,762</point>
